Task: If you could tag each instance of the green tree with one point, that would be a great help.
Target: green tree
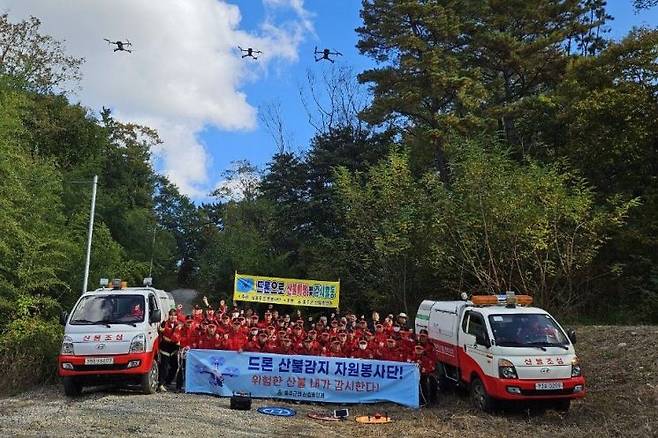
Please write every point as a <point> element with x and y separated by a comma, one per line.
<point>388,233</point>
<point>35,61</point>
<point>462,65</point>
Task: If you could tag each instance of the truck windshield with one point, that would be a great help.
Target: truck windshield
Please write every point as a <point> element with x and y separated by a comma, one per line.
<point>109,309</point>
<point>527,330</point>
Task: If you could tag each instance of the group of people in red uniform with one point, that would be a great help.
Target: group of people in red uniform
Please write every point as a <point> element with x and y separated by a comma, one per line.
<point>334,336</point>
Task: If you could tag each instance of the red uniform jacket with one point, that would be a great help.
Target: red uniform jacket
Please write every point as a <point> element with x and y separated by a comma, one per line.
<point>235,342</point>
<point>210,342</point>
<point>392,354</point>
<point>363,354</point>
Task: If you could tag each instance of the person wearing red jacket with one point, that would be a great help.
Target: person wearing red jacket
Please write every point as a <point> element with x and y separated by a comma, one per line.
<point>180,314</point>
<point>430,349</point>
<point>265,322</point>
<point>211,340</point>
<point>197,314</point>
<point>298,334</point>
<point>428,383</point>
<point>308,349</point>
<point>285,346</point>
<point>168,350</point>
<point>334,350</point>
<point>380,335</point>
<point>325,340</point>
<point>187,337</point>
<point>235,340</point>
<point>391,352</point>
<point>361,328</point>
<point>362,351</point>
<point>406,342</point>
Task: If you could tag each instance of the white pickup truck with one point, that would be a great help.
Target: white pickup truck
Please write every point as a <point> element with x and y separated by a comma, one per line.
<point>112,336</point>
<point>502,350</point>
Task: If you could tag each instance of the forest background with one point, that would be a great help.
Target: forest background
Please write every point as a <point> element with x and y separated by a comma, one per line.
<point>494,146</point>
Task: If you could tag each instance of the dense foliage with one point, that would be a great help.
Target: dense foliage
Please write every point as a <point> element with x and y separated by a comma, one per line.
<point>505,145</point>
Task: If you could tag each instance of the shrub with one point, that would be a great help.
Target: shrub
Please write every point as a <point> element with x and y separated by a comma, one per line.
<point>28,353</point>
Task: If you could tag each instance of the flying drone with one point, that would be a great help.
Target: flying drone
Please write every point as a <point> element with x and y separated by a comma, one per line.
<point>249,52</point>
<point>325,55</point>
<point>121,46</point>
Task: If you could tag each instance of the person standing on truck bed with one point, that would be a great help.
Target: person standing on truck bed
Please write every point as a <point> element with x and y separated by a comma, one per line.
<point>169,345</point>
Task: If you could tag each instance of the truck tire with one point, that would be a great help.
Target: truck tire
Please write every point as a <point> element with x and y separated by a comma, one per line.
<point>562,405</point>
<point>149,381</point>
<point>479,396</point>
<point>72,388</point>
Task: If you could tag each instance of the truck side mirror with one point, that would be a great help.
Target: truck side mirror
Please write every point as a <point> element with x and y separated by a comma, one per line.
<point>155,316</point>
<point>482,340</point>
<point>572,335</point>
<point>63,316</point>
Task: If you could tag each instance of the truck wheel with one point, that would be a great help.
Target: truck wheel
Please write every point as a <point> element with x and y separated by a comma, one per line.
<point>72,388</point>
<point>562,405</point>
<point>149,383</point>
<point>479,397</point>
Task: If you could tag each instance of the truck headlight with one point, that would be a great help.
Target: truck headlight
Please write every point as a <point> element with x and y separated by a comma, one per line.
<point>506,369</point>
<point>67,345</point>
<point>575,368</point>
<point>138,344</point>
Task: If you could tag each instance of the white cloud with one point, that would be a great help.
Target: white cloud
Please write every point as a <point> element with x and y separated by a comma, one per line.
<point>184,73</point>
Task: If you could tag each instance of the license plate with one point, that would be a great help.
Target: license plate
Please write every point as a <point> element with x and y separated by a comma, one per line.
<point>99,360</point>
<point>547,386</point>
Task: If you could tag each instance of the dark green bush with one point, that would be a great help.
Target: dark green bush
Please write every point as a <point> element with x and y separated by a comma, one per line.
<point>28,353</point>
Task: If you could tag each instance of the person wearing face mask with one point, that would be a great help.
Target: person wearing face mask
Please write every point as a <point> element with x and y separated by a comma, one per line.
<point>254,345</point>
<point>362,351</point>
<point>395,333</point>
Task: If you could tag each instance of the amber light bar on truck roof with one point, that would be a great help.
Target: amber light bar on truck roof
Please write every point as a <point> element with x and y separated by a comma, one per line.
<point>509,299</point>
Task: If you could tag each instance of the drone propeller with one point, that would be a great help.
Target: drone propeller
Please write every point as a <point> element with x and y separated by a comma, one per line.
<point>127,43</point>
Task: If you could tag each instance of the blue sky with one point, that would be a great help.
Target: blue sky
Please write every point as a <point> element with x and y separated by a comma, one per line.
<point>185,77</point>
<point>334,23</point>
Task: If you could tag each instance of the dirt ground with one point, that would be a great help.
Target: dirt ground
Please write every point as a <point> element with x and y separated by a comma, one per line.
<point>620,364</point>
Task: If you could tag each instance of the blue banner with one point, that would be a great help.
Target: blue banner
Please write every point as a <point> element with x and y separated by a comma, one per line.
<point>308,378</point>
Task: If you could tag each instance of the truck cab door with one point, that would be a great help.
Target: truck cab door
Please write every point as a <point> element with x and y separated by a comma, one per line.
<point>474,342</point>
<point>152,331</point>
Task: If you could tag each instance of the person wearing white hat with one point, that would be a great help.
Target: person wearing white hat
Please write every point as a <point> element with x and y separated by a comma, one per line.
<point>402,320</point>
